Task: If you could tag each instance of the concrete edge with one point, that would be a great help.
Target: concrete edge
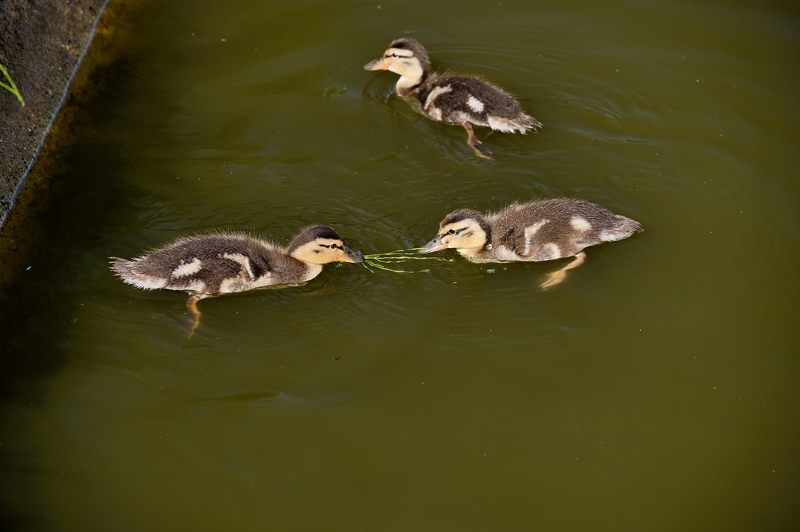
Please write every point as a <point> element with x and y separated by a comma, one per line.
<point>54,116</point>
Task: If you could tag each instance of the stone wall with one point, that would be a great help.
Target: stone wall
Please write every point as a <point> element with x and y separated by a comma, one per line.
<point>41,45</point>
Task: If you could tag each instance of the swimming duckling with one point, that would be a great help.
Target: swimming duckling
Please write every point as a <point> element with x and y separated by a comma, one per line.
<point>537,231</point>
<point>452,98</point>
<point>223,263</point>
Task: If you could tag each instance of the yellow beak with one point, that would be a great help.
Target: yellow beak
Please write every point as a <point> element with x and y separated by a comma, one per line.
<point>377,64</point>
<point>434,245</point>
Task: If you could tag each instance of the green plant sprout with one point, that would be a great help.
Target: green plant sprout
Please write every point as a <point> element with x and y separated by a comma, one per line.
<point>11,86</point>
<point>381,261</point>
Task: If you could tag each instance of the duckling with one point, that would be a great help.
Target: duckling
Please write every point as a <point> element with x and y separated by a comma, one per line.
<point>223,263</point>
<point>537,231</point>
<point>452,98</point>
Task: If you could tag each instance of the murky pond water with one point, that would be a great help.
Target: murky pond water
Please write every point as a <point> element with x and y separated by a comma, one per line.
<point>656,389</point>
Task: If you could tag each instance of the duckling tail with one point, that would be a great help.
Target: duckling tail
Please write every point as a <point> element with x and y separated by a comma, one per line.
<point>527,122</point>
<point>518,124</point>
<point>126,270</point>
<point>122,267</point>
<point>622,227</point>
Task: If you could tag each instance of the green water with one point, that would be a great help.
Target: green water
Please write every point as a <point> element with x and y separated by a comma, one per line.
<point>655,390</point>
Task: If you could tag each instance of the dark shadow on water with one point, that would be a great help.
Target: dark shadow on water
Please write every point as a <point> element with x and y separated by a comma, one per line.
<point>72,195</point>
<point>67,221</point>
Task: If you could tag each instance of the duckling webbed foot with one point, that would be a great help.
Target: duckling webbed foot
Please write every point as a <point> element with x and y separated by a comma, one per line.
<point>557,276</point>
<point>474,143</point>
<point>191,306</point>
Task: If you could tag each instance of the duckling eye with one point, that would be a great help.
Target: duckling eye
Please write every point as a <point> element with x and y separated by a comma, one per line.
<point>451,232</point>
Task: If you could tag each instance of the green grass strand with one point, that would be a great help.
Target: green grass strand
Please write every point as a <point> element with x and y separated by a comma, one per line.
<point>380,261</point>
<point>11,86</point>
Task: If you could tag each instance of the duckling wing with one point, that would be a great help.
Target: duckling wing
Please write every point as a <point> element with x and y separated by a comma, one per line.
<point>461,98</point>
<point>225,273</point>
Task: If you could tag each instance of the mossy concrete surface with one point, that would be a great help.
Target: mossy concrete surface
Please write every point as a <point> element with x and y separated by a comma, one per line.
<point>41,45</point>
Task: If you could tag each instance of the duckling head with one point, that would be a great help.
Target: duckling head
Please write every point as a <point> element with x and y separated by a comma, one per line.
<point>319,244</point>
<point>465,230</point>
<point>405,57</point>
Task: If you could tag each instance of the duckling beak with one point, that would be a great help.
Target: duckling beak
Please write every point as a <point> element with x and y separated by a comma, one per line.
<point>354,256</point>
<point>434,245</point>
<point>377,64</point>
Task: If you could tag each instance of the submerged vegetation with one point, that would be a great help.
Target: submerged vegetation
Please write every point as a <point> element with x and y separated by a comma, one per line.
<point>384,261</point>
<point>11,86</point>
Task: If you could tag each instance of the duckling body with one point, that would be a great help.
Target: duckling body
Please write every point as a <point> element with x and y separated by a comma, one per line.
<point>223,263</point>
<point>451,98</point>
<point>537,231</point>
<point>215,264</point>
<point>458,99</point>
